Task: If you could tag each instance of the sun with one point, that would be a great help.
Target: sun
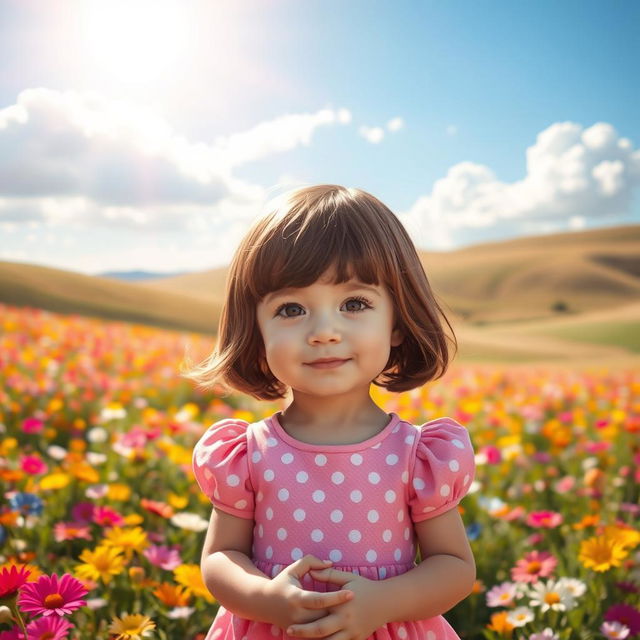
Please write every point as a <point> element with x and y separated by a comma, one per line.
<point>136,41</point>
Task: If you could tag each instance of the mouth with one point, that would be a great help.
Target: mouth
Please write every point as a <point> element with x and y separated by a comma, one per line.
<point>327,363</point>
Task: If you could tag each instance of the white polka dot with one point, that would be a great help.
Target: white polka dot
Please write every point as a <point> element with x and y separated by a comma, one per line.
<point>240,504</point>
<point>373,516</point>
<point>397,554</point>
<point>256,456</point>
<point>282,534</point>
<point>396,429</point>
<point>428,509</point>
<point>401,515</point>
<point>216,494</point>
<point>402,633</point>
<point>392,459</point>
<point>260,531</point>
<point>454,465</point>
<point>445,490</point>
<point>336,515</point>
<point>405,477</point>
<point>275,631</point>
<point>269,513</point>
<point>335,555</point>
<point>356,459</point>
<point>418,483</point>
<point>387,535</point>
<point>410,439</point>
<point>233,480</point>
<point>259,496</point>
<point>283,495</point>
<point>299,515</point>
<point>390,496</point>
<point>287,458</point>
<point>272,442</point>
<point>318,496</point>
<point>269,475</point>
<point>296,553</point>
<point>302,477</point>
<point>317,535</point>
<point>321,460</point>
<point>337,477</point>
<point>431,635</point>
<point>457,443</point>
<point>467,478</point>
<point>268,552</point>
<point>355,535</point>
<point>382,572</point>
<point>374,478</point>
<point>371,556</point>
<point>356,495</point>
<point>407,533</point>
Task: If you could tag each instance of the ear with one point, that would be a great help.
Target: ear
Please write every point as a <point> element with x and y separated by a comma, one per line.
<point>396,338</point>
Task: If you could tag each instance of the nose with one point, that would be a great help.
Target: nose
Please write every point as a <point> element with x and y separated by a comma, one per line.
<point>324,330</point>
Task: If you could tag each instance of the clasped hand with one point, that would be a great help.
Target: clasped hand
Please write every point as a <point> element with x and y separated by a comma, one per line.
<point>352,613</point>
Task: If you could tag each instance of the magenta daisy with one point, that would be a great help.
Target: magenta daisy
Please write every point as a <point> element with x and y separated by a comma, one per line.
<point>12,579</point>
<point>49,595</point>
<point>48,629</point>
<point>534,565</point>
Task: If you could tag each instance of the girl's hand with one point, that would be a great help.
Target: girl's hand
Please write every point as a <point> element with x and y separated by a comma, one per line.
<point>294,605</point>
<point>355,619</point>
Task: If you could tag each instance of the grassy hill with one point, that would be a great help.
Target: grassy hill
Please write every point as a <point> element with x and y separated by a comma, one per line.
<point>558,298</point>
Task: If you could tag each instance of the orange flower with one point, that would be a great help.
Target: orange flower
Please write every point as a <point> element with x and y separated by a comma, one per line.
<point>172,595</point>
<point>160,508</point>
<point>590,520</point>
<point>500,624</point>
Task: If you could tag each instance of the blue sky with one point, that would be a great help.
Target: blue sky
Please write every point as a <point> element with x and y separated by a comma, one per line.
<point>148,135</point>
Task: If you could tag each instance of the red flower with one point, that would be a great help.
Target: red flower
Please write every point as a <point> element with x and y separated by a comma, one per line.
<point>12,579</point>
<point>625,614</point>
<point>49,595</point>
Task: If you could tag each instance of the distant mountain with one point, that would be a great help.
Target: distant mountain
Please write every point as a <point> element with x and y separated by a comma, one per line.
<point>139,276</point>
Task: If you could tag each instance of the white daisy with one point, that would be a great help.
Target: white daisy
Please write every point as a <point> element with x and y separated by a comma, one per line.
<point>574,586</point>
<point>520,616</point>
<point>550,595</point>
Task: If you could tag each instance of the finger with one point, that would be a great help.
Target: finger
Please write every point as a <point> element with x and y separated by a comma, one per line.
<point>318,629</point>
<point>306,564</point>
<point>335,576</point>
<point>318,600</point>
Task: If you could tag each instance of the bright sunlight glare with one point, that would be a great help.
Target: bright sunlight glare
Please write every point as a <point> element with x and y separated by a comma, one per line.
<point>136,41</point>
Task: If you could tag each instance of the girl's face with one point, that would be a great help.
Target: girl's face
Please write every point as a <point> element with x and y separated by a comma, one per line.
<point>348,325</point>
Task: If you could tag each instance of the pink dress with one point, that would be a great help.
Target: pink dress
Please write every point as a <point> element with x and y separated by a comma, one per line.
<point>354,504</point>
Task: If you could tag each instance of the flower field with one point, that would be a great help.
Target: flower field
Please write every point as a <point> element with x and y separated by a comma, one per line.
<point>101,521</point>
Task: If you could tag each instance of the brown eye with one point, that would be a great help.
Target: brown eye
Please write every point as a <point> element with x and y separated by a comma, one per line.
<point>354,305</point>
<point>291,310</point>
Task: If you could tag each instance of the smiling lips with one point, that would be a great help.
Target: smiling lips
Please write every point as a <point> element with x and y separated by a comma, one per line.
<point>327,363</point>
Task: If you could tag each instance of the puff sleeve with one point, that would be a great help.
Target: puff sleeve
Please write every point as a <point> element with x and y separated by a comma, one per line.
<point>221,467</point>
<point>443,469</point>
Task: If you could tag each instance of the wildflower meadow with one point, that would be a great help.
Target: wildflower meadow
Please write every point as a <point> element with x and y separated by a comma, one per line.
<point>101,521</point>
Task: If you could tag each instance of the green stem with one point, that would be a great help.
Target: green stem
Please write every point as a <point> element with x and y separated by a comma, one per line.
<point>18,617</point>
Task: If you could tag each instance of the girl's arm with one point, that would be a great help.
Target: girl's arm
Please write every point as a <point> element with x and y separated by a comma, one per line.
<point>240,587</point>
<point>443,578</point>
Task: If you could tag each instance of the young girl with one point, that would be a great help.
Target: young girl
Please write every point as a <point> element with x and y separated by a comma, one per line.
<point>319,510</point>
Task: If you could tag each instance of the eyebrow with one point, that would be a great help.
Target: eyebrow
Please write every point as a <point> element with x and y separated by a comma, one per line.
<point>348,287</point>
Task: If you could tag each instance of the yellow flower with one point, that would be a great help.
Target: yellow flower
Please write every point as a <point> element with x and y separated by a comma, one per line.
<point>56,480</point>
<point>172,595</point>
<point>119,492</point>
<point>189,576</point>
<point>131,626</point>
<point>601,553</point>
<point>104,562</point>
<point>129,540</point>
<point>626,537</point>
<point>177,502</point>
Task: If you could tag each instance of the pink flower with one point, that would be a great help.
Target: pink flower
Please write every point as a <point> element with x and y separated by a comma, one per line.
<point>48,595</point>
<point>492,454</point>
<point>71,530</point>
<point>83,512</point>
<point>12,634</point>
<point>162,556</point>
<point>32,425</point>
<point>547,519</point>
<point>107,517</point>
<point>564,485</point>
<point>534,565</point>
<point>50,628</point>
<point>502,595</point>
<point>33,465</point>
<point>614,630</point>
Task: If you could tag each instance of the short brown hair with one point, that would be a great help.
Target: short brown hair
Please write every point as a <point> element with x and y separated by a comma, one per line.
<point>311,230</point>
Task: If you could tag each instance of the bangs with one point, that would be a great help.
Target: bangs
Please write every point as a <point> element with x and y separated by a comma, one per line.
<point>297,252</point>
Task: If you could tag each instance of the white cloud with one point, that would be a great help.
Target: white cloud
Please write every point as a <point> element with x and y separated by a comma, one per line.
<point>374,135</point>
<point>78,157</point>
<point>572,174</point>
<point>395,124</point>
